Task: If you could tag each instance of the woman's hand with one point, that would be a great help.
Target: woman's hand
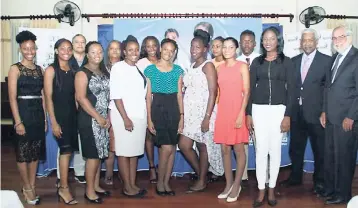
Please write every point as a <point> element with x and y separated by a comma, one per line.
<point>181,125</point>
<point>151,127</point>
<point>56,130</point>
<point>239,120</point>
<point>102,121</point>
<point>250,123</point>
<point>45,125</point>
<point>20,129</point>
<point>205,124</point>
<point>128,124</point>
<point>285,124</point>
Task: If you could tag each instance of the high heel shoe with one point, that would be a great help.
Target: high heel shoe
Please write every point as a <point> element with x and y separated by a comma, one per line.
<point>73,201</point>
<point>234,199</point>
<point>224,195</point>
<point>160,193</point>
<point>103,194</point>
<point>94,201</point>
<point>33,189</point>
<point>257,203</point>
<point>28,201</point>
<point>272,203</point>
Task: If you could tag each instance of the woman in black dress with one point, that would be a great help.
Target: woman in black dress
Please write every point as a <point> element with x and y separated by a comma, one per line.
<point>92,94</point>
<point>25,95</point>
<point>59,91</point>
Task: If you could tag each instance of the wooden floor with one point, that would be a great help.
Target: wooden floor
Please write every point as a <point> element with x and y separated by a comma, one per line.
<point>298,197</point>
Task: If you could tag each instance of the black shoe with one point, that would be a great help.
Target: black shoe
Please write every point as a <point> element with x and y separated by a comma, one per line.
<point>257,203</point>
<point>170,193</point>
<point>213,178</point>
<point>326,194</point>
<point>103,194</point>
<point>194,177</point>
<point>94,201</point>
<point>143,191</point>
<point>272,203</point>
<point>336,200</point>
<point>160,193</point>
<point>80,179</point>
<point>318,189</point>
<point>289,183</point>
<point>140,194</point>
<point>57,183</point>
<point>245,183</point>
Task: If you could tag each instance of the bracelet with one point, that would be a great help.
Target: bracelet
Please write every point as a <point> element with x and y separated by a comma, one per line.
<point>207,114</point>
<point>16,125</point>
<point>182,114</point>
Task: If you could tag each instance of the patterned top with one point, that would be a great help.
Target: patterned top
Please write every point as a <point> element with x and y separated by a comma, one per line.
<point>164,82</point>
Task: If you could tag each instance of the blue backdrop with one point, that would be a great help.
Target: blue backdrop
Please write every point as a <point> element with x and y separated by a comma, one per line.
<point>141,28</point>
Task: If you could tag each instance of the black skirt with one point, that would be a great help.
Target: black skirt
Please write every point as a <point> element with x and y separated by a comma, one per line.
<point>165,116</point>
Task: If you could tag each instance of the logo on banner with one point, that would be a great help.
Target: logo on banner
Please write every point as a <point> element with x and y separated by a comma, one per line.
<point>251,139</point>
<point>284,139</point>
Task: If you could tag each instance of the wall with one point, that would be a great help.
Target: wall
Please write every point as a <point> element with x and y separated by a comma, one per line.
<point>37,7</point>
<point>24,7</point>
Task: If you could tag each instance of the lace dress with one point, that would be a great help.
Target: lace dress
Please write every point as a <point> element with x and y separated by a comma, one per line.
<point>195,102</point>
<point>31,146</point>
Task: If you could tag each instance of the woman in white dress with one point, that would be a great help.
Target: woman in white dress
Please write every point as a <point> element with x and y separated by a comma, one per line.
<point>200,113</point>
<point>149,54</point>
<point>128,88</point>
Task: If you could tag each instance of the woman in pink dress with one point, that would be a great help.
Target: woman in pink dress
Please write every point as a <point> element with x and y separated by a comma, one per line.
<point>230,127</point>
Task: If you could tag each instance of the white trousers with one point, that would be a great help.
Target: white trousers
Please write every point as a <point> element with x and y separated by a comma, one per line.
<point>267,121</point>
<point>79,164</point>
<point>247,161</point>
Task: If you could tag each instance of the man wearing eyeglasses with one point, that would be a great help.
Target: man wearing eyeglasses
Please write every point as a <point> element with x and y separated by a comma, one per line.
<point>340,119</point>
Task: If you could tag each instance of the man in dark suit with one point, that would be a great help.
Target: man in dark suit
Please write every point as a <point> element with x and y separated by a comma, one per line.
<point>78,44</point>
<point>311,67</point>
<point>340,119</point>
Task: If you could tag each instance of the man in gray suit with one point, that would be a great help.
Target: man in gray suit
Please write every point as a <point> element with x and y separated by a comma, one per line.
<point>340,118</point>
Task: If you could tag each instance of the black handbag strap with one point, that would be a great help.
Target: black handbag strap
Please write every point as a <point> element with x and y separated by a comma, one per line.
<point>141,74</point>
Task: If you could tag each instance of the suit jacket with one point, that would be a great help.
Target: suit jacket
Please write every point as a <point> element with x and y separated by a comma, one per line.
<point>74,64</point>
<point>342,94</point>
<point>312,89</point>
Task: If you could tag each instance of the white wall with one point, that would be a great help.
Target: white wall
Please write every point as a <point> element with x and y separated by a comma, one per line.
<point>25,7</point>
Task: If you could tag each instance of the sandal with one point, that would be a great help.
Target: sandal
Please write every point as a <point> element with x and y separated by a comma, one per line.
<point>72,201</point>
<point>29,201</point>
<point>154,180</point>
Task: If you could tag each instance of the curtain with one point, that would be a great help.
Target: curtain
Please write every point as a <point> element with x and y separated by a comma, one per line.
<point>5,46</point>
<point>9,46</point>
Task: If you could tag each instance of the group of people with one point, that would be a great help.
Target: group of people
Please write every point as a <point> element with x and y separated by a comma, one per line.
<point>140,98</point>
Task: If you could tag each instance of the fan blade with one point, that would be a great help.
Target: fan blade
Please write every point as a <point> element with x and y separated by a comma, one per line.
<point>60,11</point>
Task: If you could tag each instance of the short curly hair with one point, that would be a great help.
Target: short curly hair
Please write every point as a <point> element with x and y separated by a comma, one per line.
<point>25,36</point>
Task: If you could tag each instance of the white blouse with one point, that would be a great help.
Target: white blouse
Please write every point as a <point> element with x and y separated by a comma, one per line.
<point>127,84</point>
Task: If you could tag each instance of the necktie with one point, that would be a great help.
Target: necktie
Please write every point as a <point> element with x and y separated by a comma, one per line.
<point>248,61</point>
<point>305,68</point>
<point>335,67</point>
